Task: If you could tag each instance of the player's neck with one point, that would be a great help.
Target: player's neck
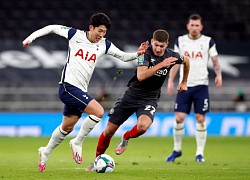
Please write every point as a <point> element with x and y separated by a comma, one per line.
<point>194,37</point>
<point>88,37</point>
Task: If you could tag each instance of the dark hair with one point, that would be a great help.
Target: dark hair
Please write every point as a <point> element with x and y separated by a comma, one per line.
<point>100,19</point>
<point>194,17</point>
<point>161,35</point>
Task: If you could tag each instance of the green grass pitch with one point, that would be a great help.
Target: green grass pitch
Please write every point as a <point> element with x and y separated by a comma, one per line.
<point>226,158</point>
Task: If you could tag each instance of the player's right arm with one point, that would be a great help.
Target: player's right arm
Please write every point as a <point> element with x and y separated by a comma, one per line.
<point>171,77</point>
<point>143,72</point>
<point>57,29</point>
<point>173,72</point>
<point>183,85</point>
<point>125,56</point>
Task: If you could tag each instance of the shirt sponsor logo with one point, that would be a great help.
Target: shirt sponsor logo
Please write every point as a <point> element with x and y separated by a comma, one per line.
<point>87,56</point>
<point>194,55</point>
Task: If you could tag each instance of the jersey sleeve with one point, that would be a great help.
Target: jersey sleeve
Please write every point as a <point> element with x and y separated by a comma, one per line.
<point>176,45</point>
<point>212,48</point>
<point>124,56</point>
<point>56,29</point>
<point>143,60</point>
<point>179,57</point>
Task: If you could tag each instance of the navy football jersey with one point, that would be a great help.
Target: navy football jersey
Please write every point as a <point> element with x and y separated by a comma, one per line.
<point>151,87</point>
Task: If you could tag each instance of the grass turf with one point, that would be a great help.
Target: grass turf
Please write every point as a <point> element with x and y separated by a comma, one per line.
<point>226,158</point>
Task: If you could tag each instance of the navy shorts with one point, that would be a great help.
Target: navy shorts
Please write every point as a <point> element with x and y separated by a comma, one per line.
<point>197,95</point>
<point>127,105</point>
<point>74,99</point>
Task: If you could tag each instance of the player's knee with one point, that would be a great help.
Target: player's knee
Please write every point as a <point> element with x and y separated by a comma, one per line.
<point>200,118</point>
<point>108,133</point>
<point>99,113</point>
<point>179,117</point>
<point>67,128</point>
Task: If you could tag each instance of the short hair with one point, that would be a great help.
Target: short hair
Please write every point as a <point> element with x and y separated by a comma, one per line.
<point>99,19</point>
<point>194,17</point>
<point>161,35</point>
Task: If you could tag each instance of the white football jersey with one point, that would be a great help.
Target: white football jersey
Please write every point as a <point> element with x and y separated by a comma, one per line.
<point>82,54</point>
<point>199,52</point>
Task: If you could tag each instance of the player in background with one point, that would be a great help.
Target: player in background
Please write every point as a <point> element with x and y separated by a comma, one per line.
<point>143,93</point>
<point>199,48</point>
<point>85,49</point>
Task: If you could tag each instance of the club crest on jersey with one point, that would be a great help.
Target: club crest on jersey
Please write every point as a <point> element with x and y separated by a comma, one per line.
<point>87,56</point>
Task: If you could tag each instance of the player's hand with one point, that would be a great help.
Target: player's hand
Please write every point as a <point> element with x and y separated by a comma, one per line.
<point>218,81</point>
<point>182,87</point>
<point>142,49</point>
<point>26,43</point>
<point>169,61</point>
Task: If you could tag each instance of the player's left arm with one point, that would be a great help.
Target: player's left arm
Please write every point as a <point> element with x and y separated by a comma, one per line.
<point>56,29</point>
<point>125,56</point>
<point>217,70</point>
<point>183,85</point>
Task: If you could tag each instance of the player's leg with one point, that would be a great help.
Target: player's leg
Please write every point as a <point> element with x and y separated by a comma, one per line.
<point>139,129</point>
<point>80,101</point>
<point>145,115</point>
<point>105,137</point>
<point>200,136</point>
<point>201,107</point>
<point>103,142</point>
<point>117,116</point>
<point>96,113</point>
<point>57,137</point>
<point>178,133</point>
<point>182,108</point>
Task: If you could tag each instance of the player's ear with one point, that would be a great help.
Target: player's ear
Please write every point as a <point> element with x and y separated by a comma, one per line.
<point>152,40</point>
<point>167,44</point>
<point>201,27</point>
<point>91,27</point>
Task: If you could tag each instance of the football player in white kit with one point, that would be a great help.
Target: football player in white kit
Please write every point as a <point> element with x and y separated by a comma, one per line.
<point>199,48</point>
<point>85,49</point>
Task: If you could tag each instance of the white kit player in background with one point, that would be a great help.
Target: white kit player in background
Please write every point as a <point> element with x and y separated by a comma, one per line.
<point>85,49</point>
<point>198,48</point>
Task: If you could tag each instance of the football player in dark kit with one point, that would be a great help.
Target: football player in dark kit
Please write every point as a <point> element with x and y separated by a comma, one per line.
<point>143,93</point>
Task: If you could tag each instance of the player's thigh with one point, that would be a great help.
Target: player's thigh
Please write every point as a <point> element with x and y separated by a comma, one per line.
<point>183,102</point>
<point>201,100</point>
<point>120,113</point>
<point>148,108</point>
<point>75,99</point>
<point>94,108</point>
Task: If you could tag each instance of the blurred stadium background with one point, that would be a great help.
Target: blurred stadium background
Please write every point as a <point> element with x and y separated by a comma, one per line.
<point>29,77</point>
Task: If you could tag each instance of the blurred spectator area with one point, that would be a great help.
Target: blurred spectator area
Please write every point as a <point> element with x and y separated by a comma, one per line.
<point>132,21</point>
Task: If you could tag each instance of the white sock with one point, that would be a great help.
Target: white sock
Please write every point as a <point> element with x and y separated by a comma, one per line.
<point>56,138</point>
<point>87,125</point>
<point>178,133</point>
<point>201,137</point>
